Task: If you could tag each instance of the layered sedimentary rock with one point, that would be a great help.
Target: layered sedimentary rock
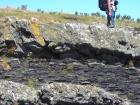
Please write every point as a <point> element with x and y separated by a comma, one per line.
<point>114,78</point>
<point>56,94</point>
<point>80,41</point>
<point>93,47</point>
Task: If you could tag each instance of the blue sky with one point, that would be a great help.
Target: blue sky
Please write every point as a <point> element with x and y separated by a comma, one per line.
<point>128,7</point>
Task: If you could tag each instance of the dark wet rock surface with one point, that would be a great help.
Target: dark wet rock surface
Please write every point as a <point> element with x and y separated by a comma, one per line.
<point>114,78</point>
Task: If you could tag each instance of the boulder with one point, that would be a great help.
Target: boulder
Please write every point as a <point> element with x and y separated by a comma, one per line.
<point>11,93</point>
<point>22,37</point>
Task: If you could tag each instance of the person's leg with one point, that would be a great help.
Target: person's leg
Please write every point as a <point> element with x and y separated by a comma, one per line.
<point>113,18</point>
<point>108,19</point>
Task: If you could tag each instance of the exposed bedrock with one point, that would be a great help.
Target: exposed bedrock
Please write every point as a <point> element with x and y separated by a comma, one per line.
<point>56,94</point>
<point>20,38</point>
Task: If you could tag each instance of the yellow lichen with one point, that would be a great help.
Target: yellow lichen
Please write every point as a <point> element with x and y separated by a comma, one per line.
<point>69,67</point>
<point>7,37</point>
<point>5,64</point>
<point>37,32</point>
<point>11,50</point>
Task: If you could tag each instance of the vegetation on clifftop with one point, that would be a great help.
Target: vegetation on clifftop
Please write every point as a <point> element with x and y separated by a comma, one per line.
<point>56,17</point>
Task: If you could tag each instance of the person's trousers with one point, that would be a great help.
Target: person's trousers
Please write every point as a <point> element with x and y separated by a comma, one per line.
<point>111,19</point>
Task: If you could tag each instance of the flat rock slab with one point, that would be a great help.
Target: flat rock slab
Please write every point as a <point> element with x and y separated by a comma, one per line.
<point>56,94</point>
<point>71,94</point>
<point>11,93</point>
<point>114,78</point>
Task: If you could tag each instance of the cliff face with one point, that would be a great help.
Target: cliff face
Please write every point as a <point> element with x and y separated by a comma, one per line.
<point>72,40</point>
<point>74,53</point>
<point>121,39</point>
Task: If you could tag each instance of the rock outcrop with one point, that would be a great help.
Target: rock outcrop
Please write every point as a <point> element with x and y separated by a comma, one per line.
<point>113,78</point>
<point>20,37</point>
<point>56,94</point>
<point>95,45</point>
<point>80,41</point>
<point>121,39</point>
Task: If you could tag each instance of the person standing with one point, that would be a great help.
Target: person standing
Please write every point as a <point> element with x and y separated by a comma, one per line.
<point>112,7</point>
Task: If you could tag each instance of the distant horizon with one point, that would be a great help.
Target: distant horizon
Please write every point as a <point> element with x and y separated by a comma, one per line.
<point>71,6</point>
<point>16,8</point>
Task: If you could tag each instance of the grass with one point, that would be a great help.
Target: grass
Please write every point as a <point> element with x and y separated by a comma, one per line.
<point>6,77</point>
<point>5,64</point>
<point>31,82</point>
<point>62,17</point>
<point>70,67</point>
<point>127,23</point>
<point>82,78</point>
